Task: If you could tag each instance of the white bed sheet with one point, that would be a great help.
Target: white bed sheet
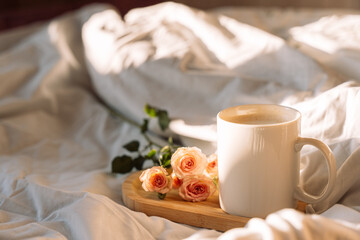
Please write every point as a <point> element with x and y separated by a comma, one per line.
<point>57,139</point>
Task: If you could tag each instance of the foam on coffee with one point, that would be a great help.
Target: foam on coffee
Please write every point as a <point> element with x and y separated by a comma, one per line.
<point>256,119</point>
<point>259,114</point>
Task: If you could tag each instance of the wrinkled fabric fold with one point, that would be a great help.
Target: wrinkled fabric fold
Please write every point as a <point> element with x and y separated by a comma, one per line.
<point>57,137</point>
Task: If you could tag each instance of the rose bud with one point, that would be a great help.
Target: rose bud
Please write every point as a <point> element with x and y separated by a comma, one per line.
<point>211,169</point>
<point>176,181</point>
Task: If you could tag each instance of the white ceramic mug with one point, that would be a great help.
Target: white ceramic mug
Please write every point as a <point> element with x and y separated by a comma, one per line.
<point>258,160</point>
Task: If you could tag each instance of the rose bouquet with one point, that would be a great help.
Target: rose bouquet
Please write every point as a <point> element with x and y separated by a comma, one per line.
<point>184,168</point>
<point>193,174</point>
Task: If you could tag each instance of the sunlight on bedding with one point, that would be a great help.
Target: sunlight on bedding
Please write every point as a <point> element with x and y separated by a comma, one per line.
<point>57,138</point>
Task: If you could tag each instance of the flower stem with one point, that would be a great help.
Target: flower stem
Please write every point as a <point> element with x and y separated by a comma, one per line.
<point>116,113</point>
<point>150,141</point>
<point>161,196</point>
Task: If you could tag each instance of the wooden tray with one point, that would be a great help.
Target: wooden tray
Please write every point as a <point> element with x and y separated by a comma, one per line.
<point>206,214</point>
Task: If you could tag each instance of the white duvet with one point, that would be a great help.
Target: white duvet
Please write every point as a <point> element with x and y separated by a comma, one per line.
<point>57,139</point>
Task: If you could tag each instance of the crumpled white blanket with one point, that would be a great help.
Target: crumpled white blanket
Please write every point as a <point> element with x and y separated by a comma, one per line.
<point>57,139</point>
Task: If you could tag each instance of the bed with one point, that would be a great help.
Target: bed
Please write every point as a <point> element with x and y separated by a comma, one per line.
<point>73,90</point>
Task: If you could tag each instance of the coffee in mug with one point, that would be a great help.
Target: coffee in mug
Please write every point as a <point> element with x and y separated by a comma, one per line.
<point>259,160</point>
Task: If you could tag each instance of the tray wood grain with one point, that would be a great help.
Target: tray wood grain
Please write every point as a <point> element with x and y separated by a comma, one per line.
<point>206,214</point>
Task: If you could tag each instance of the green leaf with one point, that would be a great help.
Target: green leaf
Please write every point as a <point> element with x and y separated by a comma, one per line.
<point>162,115</point>
<point>151,154</point>
<point>215,181</point>
<point>138,162</point>
<point>163,119</point>
<point>167,163</point>
<point>165,156</point>
<point>132,146</point>
<point>144,126</point>
<point>122,164</point>
<point>149,110</point>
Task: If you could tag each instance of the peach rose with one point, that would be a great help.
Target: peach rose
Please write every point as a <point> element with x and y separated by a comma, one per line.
<point>196,188</point>
<point>156,179</point>
<point>188,161</point>
<point>212,166</point>
<point>176,181</point>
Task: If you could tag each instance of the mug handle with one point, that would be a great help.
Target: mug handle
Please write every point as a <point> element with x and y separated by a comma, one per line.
<point>300,194</point>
